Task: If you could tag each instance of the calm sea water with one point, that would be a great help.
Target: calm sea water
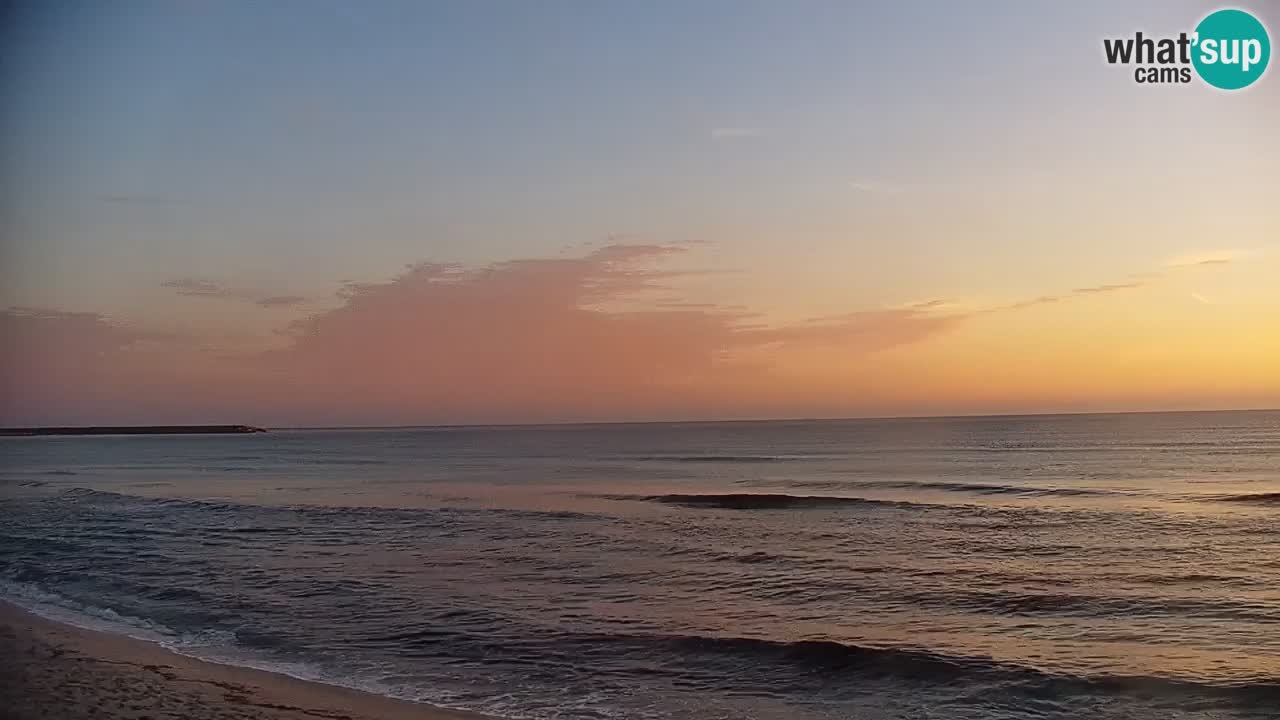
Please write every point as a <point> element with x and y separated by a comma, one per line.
<point>1114,566</point>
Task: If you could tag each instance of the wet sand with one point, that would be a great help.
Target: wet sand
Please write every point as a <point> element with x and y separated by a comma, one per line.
<point>55,671</point>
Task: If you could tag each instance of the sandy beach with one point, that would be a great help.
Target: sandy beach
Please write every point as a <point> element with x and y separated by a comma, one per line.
<point>56,671</point>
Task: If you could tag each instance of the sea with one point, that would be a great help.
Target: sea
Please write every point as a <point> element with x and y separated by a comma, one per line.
<point>1002,568</point>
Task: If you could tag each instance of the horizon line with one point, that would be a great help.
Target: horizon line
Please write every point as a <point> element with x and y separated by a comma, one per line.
<point>725,421</point>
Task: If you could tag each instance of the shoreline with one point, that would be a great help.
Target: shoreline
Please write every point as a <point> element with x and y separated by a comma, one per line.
<point>50,669</point>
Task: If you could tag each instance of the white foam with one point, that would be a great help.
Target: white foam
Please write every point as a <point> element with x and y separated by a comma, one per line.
<point>59,608</point>
<point>214,646</point>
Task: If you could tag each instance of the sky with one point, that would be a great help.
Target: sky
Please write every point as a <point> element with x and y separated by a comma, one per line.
<point>334,213</point>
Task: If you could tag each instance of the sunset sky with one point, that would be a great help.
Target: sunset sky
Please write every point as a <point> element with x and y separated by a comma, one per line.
<point>319,213</point>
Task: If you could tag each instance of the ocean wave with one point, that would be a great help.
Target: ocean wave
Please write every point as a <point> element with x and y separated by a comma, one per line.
<point>723,660</point>
<point>839,658</point>
<point>288,513</point>
<point>60,608</point>
<point>831,655</point>
<point>761,501</point>
<point>717,458</point>
<point>254,530</point>
<point>727,661</point>
<point>1269,499</point>
<point>355,462</point>
<point>961,487</point>
<point>107,496</point>
<point>1087,605</point>
<point>208,644</point>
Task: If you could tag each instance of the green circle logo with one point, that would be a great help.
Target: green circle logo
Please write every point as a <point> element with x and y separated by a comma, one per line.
<point>1231,49</point>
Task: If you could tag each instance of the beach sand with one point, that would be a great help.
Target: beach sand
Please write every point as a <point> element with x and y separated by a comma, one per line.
<point>55,671</point>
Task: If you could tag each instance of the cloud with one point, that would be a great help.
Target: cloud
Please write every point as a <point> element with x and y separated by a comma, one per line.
<point>683,305</point>
<point>935,304</point>
<point>71,335</point>
<point>1076,292</point>
<point>61,367</point>
<point>1042,300</point>
<point>202,288</point>
<point>1095,289</point>
<point>1218,257</point>
<point>540,339</point>
<point>603,335</point>
<point>280,301</point>
<point>860,331</point>
<point>1137,280</point>
<point>1201,299</point>
<point>195,287</point>
<point>735,133</point>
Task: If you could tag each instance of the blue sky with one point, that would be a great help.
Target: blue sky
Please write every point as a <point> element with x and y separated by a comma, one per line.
<point>501,128</point>
<point>823,156</point>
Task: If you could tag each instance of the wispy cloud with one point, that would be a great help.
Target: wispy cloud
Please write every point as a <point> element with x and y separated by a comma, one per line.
<point>203,288</point>
<point>1095,289</point>
<point>1079,292</point>
<point>1073,293</point>
<point>936,304</point>
<point>197,287</point>
<point>280,301</point>
<point>1217,257</point>
<point>58,365</point>
<point>864,331</point>
<point>1042,300</point>
<point>1136,280</point>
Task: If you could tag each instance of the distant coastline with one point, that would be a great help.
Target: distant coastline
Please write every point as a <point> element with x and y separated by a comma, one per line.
<point>133,430</point>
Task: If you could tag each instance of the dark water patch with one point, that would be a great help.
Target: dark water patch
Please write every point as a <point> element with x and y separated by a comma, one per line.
<point>832,658</point>
<point>259,530</point>
<point>84,493</point>
<point>717,458</point>
<point>24,571</point>
<point>827,656</point>
<point>412,637</point>
<point>354,518</point>
<point>960,487</point>
<point>1195,580</point>
<point>1084,605</point>
<point>762,501</point>
<point>756,558</point>
<point>1271,499</point>
<point>1021,490</point>
<point>732,664</point>
<point>356,462</point>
